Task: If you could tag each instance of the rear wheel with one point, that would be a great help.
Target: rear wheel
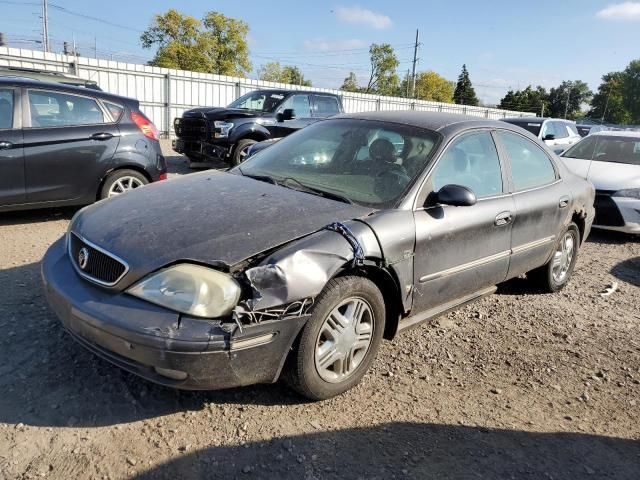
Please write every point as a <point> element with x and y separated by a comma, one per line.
<point>340,340</point>
<point>555,274</point>
<point>122,181</point>
<point>241,151</point>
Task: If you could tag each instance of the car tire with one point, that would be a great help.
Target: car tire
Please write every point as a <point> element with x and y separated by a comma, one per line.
<point>351,310</point>
<point>241,150</point>
<point>122,181</point>
<point>556,273</point>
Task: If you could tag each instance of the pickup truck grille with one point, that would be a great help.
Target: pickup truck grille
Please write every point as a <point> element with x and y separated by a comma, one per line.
<point>95,264</point>
<point>192,128</point>
<point>607,212</point>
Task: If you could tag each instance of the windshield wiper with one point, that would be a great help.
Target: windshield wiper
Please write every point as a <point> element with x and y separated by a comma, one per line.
<point>314,191</point>
<point>261,178</point>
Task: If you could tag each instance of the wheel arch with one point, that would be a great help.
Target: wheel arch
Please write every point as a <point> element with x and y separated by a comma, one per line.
<point>134,167</point>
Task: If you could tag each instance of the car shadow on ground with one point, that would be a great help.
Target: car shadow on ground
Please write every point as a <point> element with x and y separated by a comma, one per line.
<point>414,450</point>
<point>611,237</point>
<point>628,271</point>
<point>47,379</point>
<point>22,217</point>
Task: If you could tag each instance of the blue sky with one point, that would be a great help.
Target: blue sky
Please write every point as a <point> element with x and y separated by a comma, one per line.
<point>504,43</point>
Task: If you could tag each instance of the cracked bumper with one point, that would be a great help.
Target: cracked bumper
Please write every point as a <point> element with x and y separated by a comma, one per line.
<point>145,339</point>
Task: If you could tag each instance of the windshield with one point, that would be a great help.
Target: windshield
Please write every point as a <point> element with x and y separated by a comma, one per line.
<point>261,101</point>
<point>366,162</point>
<point>531,126</point>
<point>607,148</point>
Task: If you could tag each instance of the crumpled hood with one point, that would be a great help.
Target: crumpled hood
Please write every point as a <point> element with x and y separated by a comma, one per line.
<point>221,113</point>
<point>209,217</point>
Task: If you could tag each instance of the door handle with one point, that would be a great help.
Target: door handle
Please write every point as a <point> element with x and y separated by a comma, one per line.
<point>101,136</point>
<point>564,201</point>
<point>502,219</point>
<point>5,145</point>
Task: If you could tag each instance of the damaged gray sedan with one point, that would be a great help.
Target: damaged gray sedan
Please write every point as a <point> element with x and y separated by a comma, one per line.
<point>299,262</point>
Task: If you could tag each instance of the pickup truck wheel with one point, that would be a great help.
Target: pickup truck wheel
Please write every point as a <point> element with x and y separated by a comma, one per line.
<point>241,151</point>
<point>340,340</point>
<point>122,181</point>
<point>555,274</point>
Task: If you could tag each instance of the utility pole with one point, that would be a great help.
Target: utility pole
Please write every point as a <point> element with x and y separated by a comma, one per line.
<point>542,110</point>
<point>408,78</point>
<point>95,47</point>
<point>566,105</point>
<point>2,41</point>
<point>415,61</point>
<point>606,105</point>
<point>45,26</point>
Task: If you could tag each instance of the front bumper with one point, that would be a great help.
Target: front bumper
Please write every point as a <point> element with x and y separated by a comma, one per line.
<point>155,343</point>
<point>201,150</point>
<point>629,213</point>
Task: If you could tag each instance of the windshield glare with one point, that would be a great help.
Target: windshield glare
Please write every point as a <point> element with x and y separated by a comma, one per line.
<point>368,162</point>
<point>261,101</point>
<point>611,149</point>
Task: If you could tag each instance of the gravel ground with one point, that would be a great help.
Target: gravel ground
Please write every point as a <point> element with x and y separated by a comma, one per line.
<point>518,385</point>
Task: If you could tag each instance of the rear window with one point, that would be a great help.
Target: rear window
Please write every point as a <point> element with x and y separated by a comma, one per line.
<point>530,126</point>
<point>115,110</point>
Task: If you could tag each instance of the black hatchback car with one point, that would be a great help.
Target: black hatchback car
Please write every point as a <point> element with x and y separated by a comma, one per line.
<point>302,259</point>
<point>66,145</point>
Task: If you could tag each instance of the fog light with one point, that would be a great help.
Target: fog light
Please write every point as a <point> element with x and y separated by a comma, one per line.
<point>252,342</point>
<point>172,374</point>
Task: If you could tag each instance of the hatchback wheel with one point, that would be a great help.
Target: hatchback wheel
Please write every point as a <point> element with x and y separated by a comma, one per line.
<point>555,274</point>
<point>340,340</point>
<point>122,181</point>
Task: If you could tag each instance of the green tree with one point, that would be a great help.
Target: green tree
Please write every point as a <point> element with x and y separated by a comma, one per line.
<point>273,72</point>
<point>383,79</point>
<point>350,83</point>
<point>432,86</point>
<point>568,97</point>
<point>527,100</point>
<point>215,44</point>
<point>631,90</point>
<point>608,103</point>
<point>464,93</point>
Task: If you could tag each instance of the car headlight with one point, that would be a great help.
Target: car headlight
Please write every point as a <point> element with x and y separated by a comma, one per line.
<point>628,192</point>
<point>222,129</point>
<point>192,289</point>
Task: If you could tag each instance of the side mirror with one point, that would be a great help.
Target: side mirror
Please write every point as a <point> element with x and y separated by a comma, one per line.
<point>549,136</point>
<point>288,114</point>
<point>456,196</point>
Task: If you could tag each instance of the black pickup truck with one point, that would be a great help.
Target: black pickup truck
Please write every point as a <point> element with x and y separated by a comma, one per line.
<point>213,134</point>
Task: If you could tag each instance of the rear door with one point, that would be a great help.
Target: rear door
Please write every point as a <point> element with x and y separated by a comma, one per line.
<point>69,141</point>
<point>541,201</point>
<point>12,189</point>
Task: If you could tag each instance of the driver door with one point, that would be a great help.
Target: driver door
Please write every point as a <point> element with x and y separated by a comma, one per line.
<point>301,107</point>
<point>461,250</point>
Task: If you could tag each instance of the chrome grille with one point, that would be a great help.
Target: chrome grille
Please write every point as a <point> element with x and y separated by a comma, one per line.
<point>97,265</point>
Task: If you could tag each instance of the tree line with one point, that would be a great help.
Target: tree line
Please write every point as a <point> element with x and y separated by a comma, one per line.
<point>218,44</point>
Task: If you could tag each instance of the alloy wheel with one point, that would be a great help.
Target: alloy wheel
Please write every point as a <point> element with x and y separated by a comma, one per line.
<point>123,185</point>
<point>563,257</point>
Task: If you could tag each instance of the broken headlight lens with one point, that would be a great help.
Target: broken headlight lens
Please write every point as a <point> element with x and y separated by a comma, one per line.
<point>192,289</point>
<point>628,192</point>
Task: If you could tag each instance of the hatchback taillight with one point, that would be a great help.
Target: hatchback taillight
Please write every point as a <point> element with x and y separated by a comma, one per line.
<point>145,125</point>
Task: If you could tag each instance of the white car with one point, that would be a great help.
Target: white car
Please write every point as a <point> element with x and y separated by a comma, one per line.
<point>558,134</point>
<point>611,161</point>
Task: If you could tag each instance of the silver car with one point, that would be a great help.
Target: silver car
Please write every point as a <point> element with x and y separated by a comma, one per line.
<point>557,134</point>
<point>611,161</point>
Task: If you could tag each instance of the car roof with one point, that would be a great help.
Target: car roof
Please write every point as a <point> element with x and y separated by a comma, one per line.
<point>62,87</point>
<point>436,121</point>
<point>286,92</point>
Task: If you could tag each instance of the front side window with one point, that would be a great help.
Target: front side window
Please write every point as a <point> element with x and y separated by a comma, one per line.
<point>471,161</point>
<point>6,108</point>
<point>369,163</point>
<point>560,129</point>
<point>299,104</point>
<point>260,101</point>
<point>530,166</point>
<point>326,106</point>
<point>55,109</point>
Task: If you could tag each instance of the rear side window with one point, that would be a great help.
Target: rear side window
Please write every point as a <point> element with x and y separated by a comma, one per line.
<point>530,166</point>
<point>471,161</point>
<point>326,106</point>
<point>56,109</point>
<point>6,108</point>
<point>299,104</point>
<point>115,110</point>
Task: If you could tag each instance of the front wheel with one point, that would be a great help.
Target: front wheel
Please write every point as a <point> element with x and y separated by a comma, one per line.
<point>241,151</point>
<point>122,181</point>
<point>555,274</point>
<point>340,340</point>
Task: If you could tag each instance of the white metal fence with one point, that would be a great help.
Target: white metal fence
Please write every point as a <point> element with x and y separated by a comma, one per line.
<point>165,93</point>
